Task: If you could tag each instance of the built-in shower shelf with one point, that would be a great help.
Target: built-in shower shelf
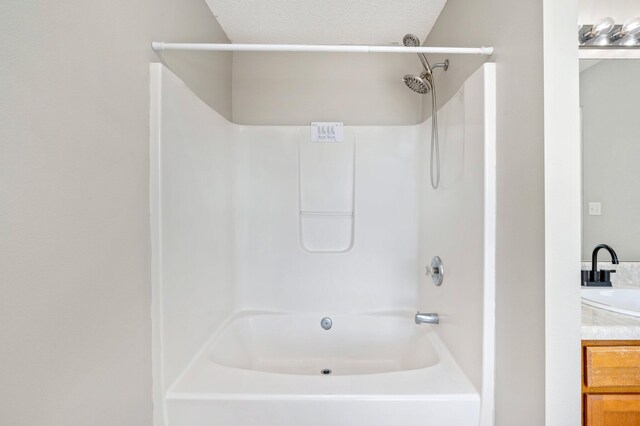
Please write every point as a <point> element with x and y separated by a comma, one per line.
<point>326,193</point>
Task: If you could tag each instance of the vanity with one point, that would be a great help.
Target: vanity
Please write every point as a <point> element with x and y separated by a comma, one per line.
<point>610,348</point>
<point>610,214</point>
<point>610,344</point>
<point>610,368</point>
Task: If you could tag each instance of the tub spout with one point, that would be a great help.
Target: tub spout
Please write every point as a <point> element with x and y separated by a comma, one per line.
<point>430,318</point>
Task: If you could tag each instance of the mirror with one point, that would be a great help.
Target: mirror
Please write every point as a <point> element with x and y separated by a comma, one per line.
<point>610,111</point>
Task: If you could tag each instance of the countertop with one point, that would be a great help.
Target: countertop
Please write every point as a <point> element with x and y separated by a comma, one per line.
<point>598,324</point>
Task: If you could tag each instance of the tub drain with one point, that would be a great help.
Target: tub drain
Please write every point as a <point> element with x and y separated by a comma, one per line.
<point>325,372</point>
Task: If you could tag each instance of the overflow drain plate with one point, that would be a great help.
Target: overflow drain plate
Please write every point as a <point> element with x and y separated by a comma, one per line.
<point>325,372</point>
<point>326,323</point>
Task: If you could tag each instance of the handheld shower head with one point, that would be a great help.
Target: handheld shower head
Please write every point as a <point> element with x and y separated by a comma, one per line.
<point>419,84</point>
<point>412,40</point>
<point>424,84</point>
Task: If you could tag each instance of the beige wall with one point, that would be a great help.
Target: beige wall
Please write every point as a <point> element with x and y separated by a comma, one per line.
<point>515,30</point>
<point>74,210</point>
<point>298,88</point>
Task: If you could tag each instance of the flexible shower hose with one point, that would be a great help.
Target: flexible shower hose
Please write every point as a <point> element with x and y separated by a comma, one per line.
<point>435,143</point>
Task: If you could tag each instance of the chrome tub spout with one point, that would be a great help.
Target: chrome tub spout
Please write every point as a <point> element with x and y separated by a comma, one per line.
<point>430,318</point>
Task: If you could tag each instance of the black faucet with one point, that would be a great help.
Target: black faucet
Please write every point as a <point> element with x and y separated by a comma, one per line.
<point>602,278</point>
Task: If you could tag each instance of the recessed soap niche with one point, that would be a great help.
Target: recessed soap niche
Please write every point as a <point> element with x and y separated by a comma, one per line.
<point>326,201</point>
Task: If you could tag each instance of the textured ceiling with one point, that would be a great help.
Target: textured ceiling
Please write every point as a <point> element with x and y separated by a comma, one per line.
<point>325,21</point>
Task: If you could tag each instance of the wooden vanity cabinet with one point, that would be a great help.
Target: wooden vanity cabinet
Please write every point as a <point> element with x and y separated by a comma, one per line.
<point>611,382</point>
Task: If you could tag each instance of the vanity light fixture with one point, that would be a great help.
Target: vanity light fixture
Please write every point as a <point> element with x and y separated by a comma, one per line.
<point>605,33</point>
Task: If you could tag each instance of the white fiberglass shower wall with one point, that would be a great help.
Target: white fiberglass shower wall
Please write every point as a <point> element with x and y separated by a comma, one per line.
<point>258,233</point>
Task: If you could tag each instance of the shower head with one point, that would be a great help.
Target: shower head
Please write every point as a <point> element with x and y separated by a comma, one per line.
<point>412,40</point>
<point>419,84</point>
<point>424,84</point>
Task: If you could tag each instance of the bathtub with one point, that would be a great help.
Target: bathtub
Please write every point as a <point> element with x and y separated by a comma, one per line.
<point>285,369</point>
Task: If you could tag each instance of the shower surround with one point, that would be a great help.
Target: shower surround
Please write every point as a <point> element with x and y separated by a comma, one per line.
<point>258,233</point>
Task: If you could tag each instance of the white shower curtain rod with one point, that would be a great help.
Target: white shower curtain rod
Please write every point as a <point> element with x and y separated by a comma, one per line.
<point>160,46</point>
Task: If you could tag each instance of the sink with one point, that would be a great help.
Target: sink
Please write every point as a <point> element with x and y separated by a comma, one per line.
<point>622,300</point>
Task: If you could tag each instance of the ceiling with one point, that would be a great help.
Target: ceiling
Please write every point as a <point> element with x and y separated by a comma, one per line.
<point>325,21</point>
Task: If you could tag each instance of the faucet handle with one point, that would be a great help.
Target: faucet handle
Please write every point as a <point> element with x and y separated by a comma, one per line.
<point>605,276</point>
<point>584,278</point>
<point>436,270</point>
<point>601,278</point>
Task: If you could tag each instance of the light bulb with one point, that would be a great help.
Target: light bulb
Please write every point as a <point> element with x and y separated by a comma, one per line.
<point>631,27</point>
<point>601,27</point>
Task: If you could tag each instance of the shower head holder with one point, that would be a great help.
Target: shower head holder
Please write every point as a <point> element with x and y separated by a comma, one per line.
<point>444,65</point>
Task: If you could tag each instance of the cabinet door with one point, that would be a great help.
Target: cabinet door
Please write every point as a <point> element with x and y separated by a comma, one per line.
<point>613,410</point>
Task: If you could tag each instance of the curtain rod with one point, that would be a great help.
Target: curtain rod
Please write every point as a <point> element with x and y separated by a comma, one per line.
<point>160,46</point>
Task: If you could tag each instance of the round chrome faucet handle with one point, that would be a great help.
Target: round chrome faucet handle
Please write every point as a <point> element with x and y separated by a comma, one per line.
<point>436,270</point>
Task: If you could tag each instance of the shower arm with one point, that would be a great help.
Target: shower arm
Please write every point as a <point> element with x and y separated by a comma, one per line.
<point>159,46</point>
<point>429,68</point>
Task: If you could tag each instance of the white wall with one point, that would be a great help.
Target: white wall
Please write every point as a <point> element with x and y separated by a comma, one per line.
<point>191,195</point>
<point>74,252</point>
<point>515,30</point>
<point>271,268</point>
<point>457,223</point>
<point>562,215</point>
<point>238,187</point>
<point>298,88</point>
<point>591,11</point>
<point>274,272</point>
<point>610,153</point>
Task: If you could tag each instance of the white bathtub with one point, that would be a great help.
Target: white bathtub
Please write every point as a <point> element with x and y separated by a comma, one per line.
<point>266,369</point>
